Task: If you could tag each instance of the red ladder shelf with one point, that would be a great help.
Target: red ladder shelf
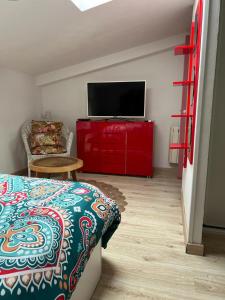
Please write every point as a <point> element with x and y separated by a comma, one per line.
<point>183,49</point>
<point>178,146</point>
<point>183,83</point>
<point>186,50</point>
<point>181,116</point>
<point>191,84</point>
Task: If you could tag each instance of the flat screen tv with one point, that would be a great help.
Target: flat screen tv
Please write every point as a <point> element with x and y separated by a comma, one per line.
<point>117,99</point>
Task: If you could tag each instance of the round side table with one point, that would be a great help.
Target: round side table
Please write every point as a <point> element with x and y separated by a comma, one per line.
<point>55,165</point>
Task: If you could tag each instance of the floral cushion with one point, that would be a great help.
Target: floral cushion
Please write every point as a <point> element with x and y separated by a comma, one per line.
<point>46,139</point>
<point>46,127</point>
<point>43,150</point>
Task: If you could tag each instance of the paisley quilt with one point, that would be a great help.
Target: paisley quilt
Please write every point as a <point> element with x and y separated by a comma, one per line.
<point>48,229</point>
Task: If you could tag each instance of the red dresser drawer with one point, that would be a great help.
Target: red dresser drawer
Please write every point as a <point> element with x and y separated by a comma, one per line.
<point>139,149</point>
<point>116,147</point>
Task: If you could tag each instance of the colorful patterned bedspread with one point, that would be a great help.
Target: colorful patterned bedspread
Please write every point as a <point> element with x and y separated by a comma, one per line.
<point>48,229</point>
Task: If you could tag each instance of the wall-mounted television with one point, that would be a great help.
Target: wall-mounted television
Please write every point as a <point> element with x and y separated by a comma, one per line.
<point>125,99</point>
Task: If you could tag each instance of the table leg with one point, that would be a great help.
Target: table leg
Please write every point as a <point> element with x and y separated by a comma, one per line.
<point>42,175</point>
<point>65,176</point>
<point>74,175</point>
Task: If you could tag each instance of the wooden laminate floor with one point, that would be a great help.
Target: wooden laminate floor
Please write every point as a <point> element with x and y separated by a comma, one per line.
<point>145,258</point>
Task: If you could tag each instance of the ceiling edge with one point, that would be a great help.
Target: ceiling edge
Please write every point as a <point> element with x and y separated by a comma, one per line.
<point>109,60</point>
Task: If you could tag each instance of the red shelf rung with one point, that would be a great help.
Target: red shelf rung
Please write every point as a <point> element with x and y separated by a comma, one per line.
<point>181,116</point>
<point>178,146</point>
<point>183,49</point>
<point>182,83</point>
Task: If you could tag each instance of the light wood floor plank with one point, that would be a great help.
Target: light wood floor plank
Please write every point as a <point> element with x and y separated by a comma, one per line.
<point>146,257</point>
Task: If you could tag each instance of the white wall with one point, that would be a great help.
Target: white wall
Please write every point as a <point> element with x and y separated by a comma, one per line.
<point>67,99</point>
<point>194,176</point>
<point>19,101</point>
<point>187,191</point>
<point>188,173</point>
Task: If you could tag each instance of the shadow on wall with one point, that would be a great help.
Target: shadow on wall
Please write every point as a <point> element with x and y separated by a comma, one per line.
<point>148,104</point>
<point>18,153</point>
<point>214,243</point>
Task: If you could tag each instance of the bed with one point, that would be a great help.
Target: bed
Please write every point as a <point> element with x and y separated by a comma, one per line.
<point>48,231</point>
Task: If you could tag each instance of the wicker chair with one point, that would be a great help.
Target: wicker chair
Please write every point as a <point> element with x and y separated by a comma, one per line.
<point>25,132</point>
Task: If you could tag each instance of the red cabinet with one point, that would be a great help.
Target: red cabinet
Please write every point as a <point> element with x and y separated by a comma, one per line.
<point>116,147</point>
<point>139,151</point>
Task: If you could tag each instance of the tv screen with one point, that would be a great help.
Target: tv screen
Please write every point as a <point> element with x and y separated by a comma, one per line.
<point>116,99</point>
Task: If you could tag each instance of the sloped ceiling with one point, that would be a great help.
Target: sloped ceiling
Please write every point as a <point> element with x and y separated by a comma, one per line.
<point>38,36</point>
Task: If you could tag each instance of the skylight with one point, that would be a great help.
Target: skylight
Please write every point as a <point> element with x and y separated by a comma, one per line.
<point>87,4</point>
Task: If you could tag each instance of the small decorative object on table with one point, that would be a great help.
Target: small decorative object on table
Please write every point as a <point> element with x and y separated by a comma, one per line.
<point>56,165</point>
